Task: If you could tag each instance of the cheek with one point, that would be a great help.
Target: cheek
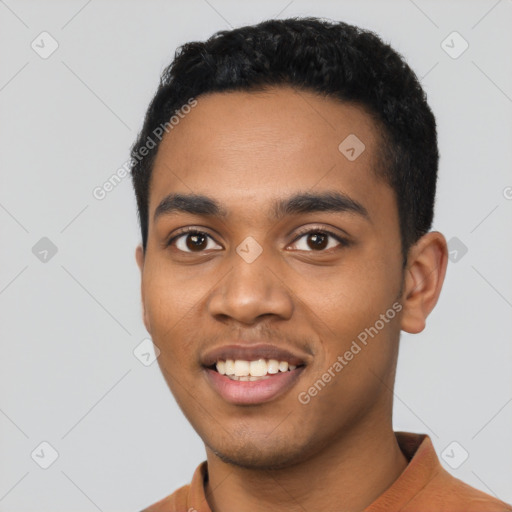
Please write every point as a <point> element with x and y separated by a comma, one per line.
<point>353,296</point>
<point>171,293</point>
<point>172,302</point>
<point>355,306</point>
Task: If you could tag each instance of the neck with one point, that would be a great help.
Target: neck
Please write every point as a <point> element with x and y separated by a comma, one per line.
<point>347,476</point>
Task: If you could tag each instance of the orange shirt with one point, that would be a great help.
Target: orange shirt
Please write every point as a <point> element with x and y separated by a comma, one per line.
<point>424,486</point>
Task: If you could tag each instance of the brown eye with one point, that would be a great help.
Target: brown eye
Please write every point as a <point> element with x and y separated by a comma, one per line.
<point>319,241</point>
<point>194,241</point>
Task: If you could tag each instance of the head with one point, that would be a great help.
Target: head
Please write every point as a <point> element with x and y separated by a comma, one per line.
<point>302,155</point>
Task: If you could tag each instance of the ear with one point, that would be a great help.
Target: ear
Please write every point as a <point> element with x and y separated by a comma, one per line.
<point>424,276</point>
<point>140,257</point>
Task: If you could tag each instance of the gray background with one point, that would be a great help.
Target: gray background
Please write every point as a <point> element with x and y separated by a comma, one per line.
<point>68,375</point>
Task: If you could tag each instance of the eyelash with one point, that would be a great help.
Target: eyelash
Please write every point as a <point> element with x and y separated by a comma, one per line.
<point>344,242</point>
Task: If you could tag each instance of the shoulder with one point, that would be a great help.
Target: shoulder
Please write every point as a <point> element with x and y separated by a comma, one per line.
<point>450,494</point>
<point>182,499</point>
<point>175,502</point>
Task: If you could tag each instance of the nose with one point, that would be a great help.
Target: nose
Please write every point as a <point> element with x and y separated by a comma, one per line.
<point>250,292</point>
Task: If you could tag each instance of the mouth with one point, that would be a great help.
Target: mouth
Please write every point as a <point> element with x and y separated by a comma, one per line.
<point>250,371</point>
<point>252,375</point>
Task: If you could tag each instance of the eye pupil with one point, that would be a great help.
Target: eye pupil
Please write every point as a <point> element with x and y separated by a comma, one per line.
<point>319,240</point>
<point>198,242</point>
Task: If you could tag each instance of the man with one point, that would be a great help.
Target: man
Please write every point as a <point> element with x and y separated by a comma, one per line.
<point>285,179</point>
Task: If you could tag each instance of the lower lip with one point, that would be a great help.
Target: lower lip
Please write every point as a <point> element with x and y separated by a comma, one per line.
<point>240,392</point>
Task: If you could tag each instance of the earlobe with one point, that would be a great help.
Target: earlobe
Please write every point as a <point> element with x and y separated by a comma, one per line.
<point>426,268</point>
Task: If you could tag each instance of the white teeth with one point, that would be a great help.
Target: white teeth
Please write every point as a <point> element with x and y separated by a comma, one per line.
<point>252,370</point>
<point>258,368</point>
<point>248,378</point>
<point>273,366</point>
<point>230,367</point>
<point>241,368</point>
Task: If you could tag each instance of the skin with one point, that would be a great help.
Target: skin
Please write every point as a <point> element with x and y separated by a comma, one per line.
<point>245,150</point>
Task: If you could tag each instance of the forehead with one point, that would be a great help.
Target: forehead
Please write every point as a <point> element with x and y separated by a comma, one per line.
<point>247,148</point>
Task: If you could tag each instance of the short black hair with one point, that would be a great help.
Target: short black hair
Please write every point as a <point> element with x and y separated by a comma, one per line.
<point>330,58</point>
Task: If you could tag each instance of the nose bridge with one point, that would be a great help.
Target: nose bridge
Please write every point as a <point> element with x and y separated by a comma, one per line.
<point>252,287</point>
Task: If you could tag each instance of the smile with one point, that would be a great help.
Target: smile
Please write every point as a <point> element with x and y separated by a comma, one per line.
<point>242,370</point>
<point>242,382</point>
<point>252,374</point>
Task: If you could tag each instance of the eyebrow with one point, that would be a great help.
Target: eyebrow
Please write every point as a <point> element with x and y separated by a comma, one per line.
<point>301,203</point>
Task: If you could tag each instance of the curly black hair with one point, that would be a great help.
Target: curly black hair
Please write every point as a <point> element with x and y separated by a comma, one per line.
<point>330,58</point>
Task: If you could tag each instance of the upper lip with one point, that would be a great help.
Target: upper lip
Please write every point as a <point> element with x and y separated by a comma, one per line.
<point>251,353</point>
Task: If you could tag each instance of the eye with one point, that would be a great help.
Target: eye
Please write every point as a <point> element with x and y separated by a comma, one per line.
<point>192,240</point>
<point>319,240</point>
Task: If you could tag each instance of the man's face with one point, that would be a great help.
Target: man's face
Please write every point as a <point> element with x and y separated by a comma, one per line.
<point>214,296</point>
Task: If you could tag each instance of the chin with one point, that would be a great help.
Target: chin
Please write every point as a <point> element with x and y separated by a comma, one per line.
<point>259,461</point>
<point>261,454</point>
